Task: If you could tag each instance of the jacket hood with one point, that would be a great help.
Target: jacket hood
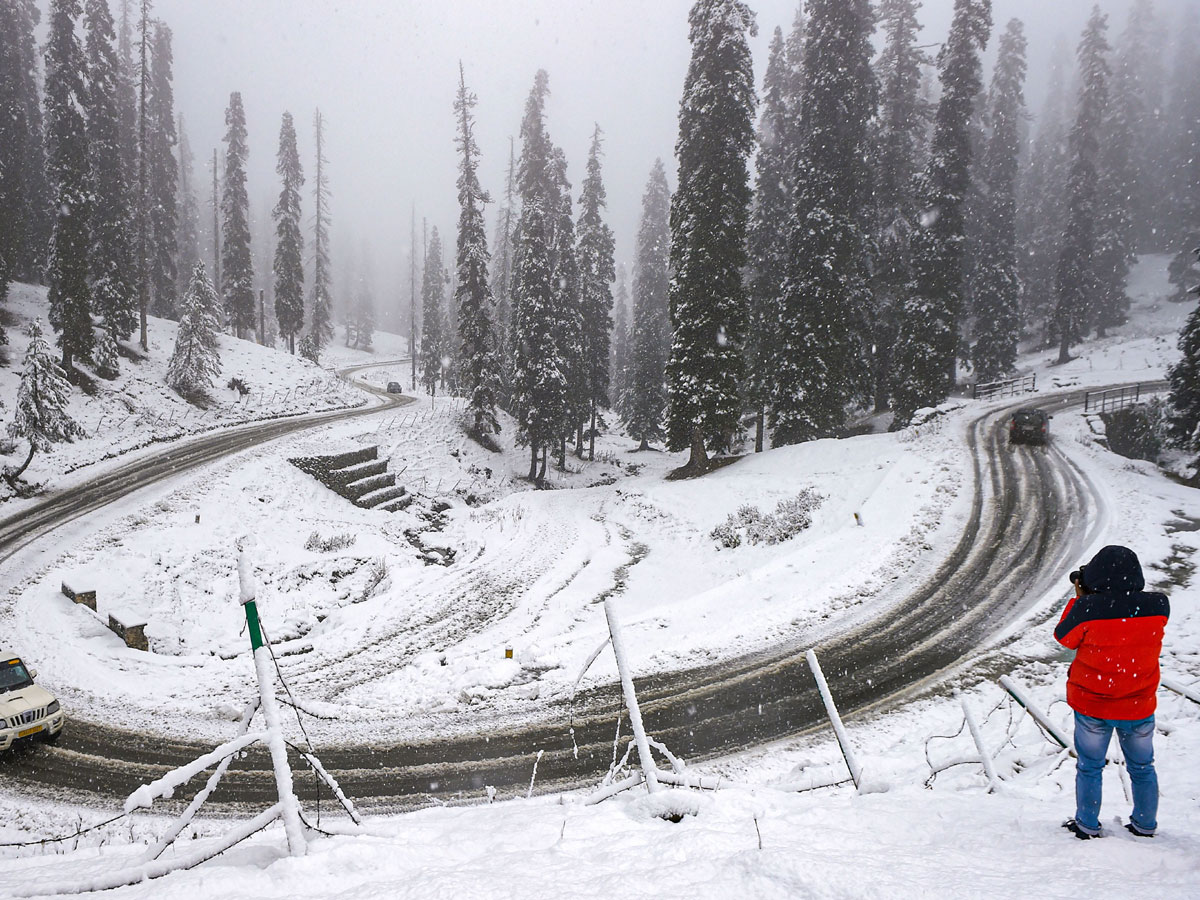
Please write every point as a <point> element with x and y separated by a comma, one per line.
<point>1114,570</point>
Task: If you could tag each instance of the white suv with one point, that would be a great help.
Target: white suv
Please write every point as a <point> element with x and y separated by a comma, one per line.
<point>26,710</point>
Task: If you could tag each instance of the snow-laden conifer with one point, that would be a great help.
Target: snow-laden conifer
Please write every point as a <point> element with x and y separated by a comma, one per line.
<point>104,355</point>
<point>996,283</point>
<point>479,362</point>
<point>237,268</point>
<point>503,261</point>
<point>162,174</point>
<point>619,357</point>
<point>111,270</point>
<point>433,325</point>
<point>644,399</point>
<point>594,252</point>
<point>196,361</point>
<point>364,318</point>
<point>567,328</point>
<point>822,361</point>
<point>927,351</point>
<point>41,416</point>
<point>1076,285</point>
<point>320,327</point>
<point>289,244</point>
<point>1184,234</point>
<point>708,231</point>
<point>70,292</point>
<point>1184,377</point>
<point>187,230</point>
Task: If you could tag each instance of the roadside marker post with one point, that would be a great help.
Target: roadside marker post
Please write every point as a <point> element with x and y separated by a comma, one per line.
<point>838,729</point>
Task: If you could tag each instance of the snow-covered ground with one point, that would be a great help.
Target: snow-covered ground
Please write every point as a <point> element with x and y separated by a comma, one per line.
<point>528,570</point>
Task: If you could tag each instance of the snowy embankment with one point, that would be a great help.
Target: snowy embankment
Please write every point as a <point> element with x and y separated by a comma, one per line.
<point>137,409</point>
<point>428,653</point>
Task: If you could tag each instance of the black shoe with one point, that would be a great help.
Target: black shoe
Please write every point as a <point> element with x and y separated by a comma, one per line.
<point>1072,826</point>
<point>1137,832</point>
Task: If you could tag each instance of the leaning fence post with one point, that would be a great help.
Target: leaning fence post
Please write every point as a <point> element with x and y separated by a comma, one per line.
<point>1172,685</point>
<point>631,703</point>
<point>838,729</point>
<point>1018,694</point>
<point>984,756</point>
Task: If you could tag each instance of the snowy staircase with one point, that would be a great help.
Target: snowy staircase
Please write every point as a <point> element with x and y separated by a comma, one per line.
<point>359,476</point>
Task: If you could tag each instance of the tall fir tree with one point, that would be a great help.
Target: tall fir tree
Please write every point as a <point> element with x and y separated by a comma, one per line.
<point>823,361</point>
<point>644,398</point>
<point>41,416</point>
<point>128,98</point>
<point>196,360</point>
<point>66,134</point>
<point>709,214</point>
<point>898,143</point>
<point>927,351</point>
<point>1117,180</point>
<point>1076,283</point>
<point>1184,165</point>
<point>597,270</point>
<point>480,364</point>
<point>364,316</point>
<point>26,222</point>
<point>997,281</point>
<point>1184,379</point>
<point>114,290</point>
<point>567,328</point>
<point>502,275</point>
<point>619,344</point>
<point>289,246</point>
<point>237,268</point>
<point>767,234</point>
<point>1041,198</point>
<point>162,174</point>
<point>320,326</point>
<point>187,232</point>
<point>433,300</point>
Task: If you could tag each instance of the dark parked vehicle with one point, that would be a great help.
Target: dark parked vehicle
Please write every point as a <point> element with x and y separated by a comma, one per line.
<point>1029,426</point>
<point>394,388</point>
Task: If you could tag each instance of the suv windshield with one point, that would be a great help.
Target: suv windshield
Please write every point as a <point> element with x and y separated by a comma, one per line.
<point>13,676</point>
<point>1027,416</point>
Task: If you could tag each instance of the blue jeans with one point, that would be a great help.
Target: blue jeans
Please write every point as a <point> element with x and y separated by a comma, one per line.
<point>1137,743</point>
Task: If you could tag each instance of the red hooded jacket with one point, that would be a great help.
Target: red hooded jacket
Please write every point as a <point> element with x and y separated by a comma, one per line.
<point>1116,631</point>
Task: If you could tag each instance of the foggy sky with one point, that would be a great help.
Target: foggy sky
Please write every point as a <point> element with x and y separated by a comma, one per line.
<point>384,73</point>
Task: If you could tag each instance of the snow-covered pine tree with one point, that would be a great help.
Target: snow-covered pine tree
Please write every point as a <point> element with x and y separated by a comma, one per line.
<point>320,326</point>
<point>41,415</point>
<point>289,245</point>
<point>26,223</point>
<point>1041,204</point>
<point>644,399</point>
<point>104,355</point>
<point>898,141</point>
<point>196,361</point>
<point>364,318</point>
<point>619,357</point>
<point>66,136</point>
<point>594,251</point>
<point>128,99</point>
<point>162,174</point>
<point>503,261</point>
<point>565,308</point>
<point>1076,284</point>
<point>187,237</point>
<point>767,232</point>
<point>1184,233</point>
<point>708,232</point>
<point>539,384</point>
<point>433,299</point>
<point>823,359</point>
<point>997,283</point>
<point>1184,377</point>
<point>479,362</point>
<point>237,268</point>
<point>927,350</point>
<point>1117,179</point>
<point>111,269</point>
<point>5,279</point>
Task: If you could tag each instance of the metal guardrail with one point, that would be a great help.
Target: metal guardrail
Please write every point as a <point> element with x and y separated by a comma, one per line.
<point>1111,400</point>
<point>1010,387</point>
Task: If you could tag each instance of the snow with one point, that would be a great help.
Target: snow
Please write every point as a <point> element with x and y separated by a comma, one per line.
<point>528,571</point>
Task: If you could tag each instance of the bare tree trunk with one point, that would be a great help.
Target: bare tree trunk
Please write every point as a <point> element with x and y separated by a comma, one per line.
<point>533,460</point>
<point>698,461</point>
<point>759,428</point>
<point>579,441</point>
<point>592,436</point>
<point>14,476</point>
<point>541,478</point>
<point>1064,348</point>
<point>644,445</point>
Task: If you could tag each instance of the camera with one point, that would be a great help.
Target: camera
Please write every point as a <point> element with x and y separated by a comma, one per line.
<point>1077,576</point>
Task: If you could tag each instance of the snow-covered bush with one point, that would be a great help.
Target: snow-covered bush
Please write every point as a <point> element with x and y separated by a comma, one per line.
<point>104,355</point>
<point>329,544</point>
<point>750,525</point>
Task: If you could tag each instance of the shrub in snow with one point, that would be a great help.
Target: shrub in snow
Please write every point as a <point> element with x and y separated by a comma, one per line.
<point>41,415</point>
<point>104,355</point>
<point>196,360</point>
<point>236,384</point>
<point>329,544</point>
<point>309,349</point>
<point>1138,431</point>
<point>750,525</point>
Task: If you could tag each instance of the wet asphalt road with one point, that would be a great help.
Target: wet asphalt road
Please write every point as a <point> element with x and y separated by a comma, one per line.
<point>1033,514</point>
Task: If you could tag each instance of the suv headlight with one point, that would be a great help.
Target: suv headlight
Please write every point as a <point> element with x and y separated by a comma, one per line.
<point>52,708</point>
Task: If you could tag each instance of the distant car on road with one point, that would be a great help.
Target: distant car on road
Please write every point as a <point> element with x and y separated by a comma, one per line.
<point>394,388</point>
<point>1029,426</point>
<point>26,710</point>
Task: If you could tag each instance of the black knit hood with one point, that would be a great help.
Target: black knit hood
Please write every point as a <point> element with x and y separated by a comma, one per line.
<point>1114,570</point>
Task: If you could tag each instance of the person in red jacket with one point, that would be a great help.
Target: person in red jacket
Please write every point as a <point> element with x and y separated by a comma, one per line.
<point>1116,630</point>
